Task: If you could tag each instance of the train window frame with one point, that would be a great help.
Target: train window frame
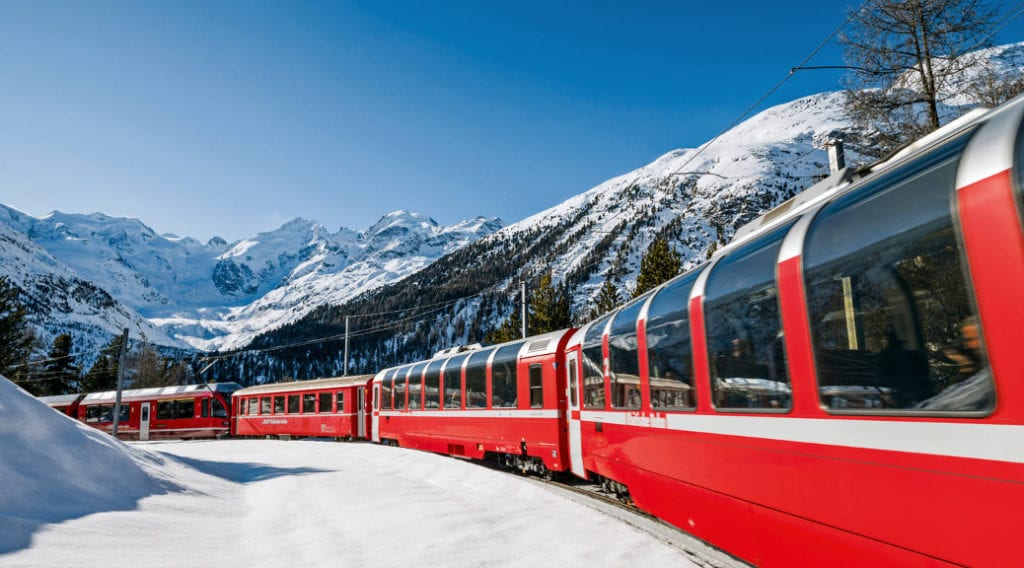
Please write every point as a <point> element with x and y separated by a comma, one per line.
<point>505,355</point>
<point>279,404</point>
<point>670,295</point>
<point>217,409</point>
<point>309,403</point>
<point>454,366</point>
<point>400,393</point>
<point>744,356</point>
<point>416,380</point>
<point>205,408</point>
<point>322,408</point>
<point>593,339</point>
<point>536,375</point>
<point>432,380</point>
<point>477,363</point>
<point>624,323</point>
<point>265,405</point>
<point>339,401</point>
<point>294,403</point>
<point>917,179</point>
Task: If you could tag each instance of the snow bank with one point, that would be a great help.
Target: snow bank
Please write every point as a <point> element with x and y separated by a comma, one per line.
<point>53,468</point>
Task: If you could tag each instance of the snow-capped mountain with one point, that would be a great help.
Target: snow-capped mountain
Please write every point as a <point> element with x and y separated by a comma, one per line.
<point>221,294</point>
<point>59,300</point>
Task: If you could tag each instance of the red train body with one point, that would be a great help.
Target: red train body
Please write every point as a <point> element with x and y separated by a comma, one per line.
<point>331,408</point>
<point>179,412</point>
<point>66,404</point>
<point>505,401</point>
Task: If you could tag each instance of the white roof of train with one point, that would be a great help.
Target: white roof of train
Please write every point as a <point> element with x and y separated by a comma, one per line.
<point>330,383</point>
<point>158,392</point>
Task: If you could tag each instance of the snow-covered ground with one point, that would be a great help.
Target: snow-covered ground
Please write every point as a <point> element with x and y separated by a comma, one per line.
<point>71,496</point>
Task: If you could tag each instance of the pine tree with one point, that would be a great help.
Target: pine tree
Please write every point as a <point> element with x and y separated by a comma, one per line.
<point>607,299</point>
<point>659,264</point>
<point>549,307</point>
<point>907,55</point>
<point>103,374</point>
<point>62,376</point>
<point>15,336</point>
<point>509,330</point>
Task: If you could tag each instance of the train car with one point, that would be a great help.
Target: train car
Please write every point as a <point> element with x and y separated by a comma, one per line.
<point>328,408</point>
<point>840,386</point>
<point>504,401</point>
<point>66,404</point>
<point>178,412</point>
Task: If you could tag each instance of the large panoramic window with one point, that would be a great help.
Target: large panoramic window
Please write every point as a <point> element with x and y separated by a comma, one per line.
<point>669,350</point>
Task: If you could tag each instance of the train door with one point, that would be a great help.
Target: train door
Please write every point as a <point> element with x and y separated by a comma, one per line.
<point>575,431</point>
<point>375,423</point>
<point>361,411</point>
<point>144,421</point>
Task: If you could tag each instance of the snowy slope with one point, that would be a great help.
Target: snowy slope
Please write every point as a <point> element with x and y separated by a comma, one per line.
<point>59,300</point>
<point>71,496</point>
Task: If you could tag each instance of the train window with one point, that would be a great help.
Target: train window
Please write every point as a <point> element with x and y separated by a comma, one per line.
<point>254,406</point>
<point>399,389</point>
<point>432,385</point>
<point>264,405</point>
<point>217,409</point>
<point>892,316</point>
<point>504,378</point>
<point>185,408</point>
<point>669,351</point>
<point>744,330</point>
<point>536,386</point>
<point>453,382</point>
<point>325,403</point>
<point>476,379</point>
<point>623,365</point>
<point>279,404</point>
<point>103,413</point>
<point>308,403</point>
<point>385,394</point>
<point>293,404</point>
<point>593,365</point>
<point>340,397</point>
<point>164,410</point>
<point>205,404</point>
<point>572,384</point>
<point>416,386</point>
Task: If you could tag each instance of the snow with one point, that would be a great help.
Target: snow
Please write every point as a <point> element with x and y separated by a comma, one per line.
<point>72,496</point>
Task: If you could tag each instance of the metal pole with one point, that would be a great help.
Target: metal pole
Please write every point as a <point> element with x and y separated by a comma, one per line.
<point>344,373</point>
<point>524,308</point>
<point>120,379</point>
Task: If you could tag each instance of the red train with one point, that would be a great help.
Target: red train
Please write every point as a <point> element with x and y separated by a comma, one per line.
<point>332,408</point>
<point>837,387</point>
<point>179,412</point>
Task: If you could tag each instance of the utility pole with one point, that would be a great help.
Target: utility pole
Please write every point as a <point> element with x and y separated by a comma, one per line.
<point>120,379</point>
<point>524,307</point>
<point>344,372</point>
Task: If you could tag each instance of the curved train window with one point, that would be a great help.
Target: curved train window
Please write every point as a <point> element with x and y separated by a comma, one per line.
<point>744,330</point>
<point>623,364</point>
<point>453,382</point>
<point>399,391</point>
<point>432,385</point>
<point>593,365</point>
<point>504,378</point>
<point>218,409</point>
<point>892,316</point>
<point>385,390</point>
<point>669,351</point>
<point>416,386</point>
<point>476,379</point>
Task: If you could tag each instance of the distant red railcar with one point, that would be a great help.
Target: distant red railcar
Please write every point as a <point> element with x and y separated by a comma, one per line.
<point>330,408</point>
<point>504,401</point>
<point>178,412</point>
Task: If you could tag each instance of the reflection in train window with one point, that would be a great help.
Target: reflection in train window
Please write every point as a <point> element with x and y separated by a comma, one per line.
<point>504,378</point>
<point>293,404</point>
<point>432,385</point>
<point>416,386</point>
<point>308,402</point>
<point>536,386</point>
<point>593,365</point>
<point>623,365</point>
<point>892,318</point>
<point>476,379</point>
<point>453,382</point>
<point>669,352</point>
<point>399,391</point>
<point>385,391</point>
<point>744,330</point>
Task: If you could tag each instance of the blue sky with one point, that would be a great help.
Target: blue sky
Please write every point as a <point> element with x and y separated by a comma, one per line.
<point>230,118</point>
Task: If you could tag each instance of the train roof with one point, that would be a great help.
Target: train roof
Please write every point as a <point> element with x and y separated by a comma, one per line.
<point>57,400</point>
<point>160,392</point>
<point>328,383</point>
